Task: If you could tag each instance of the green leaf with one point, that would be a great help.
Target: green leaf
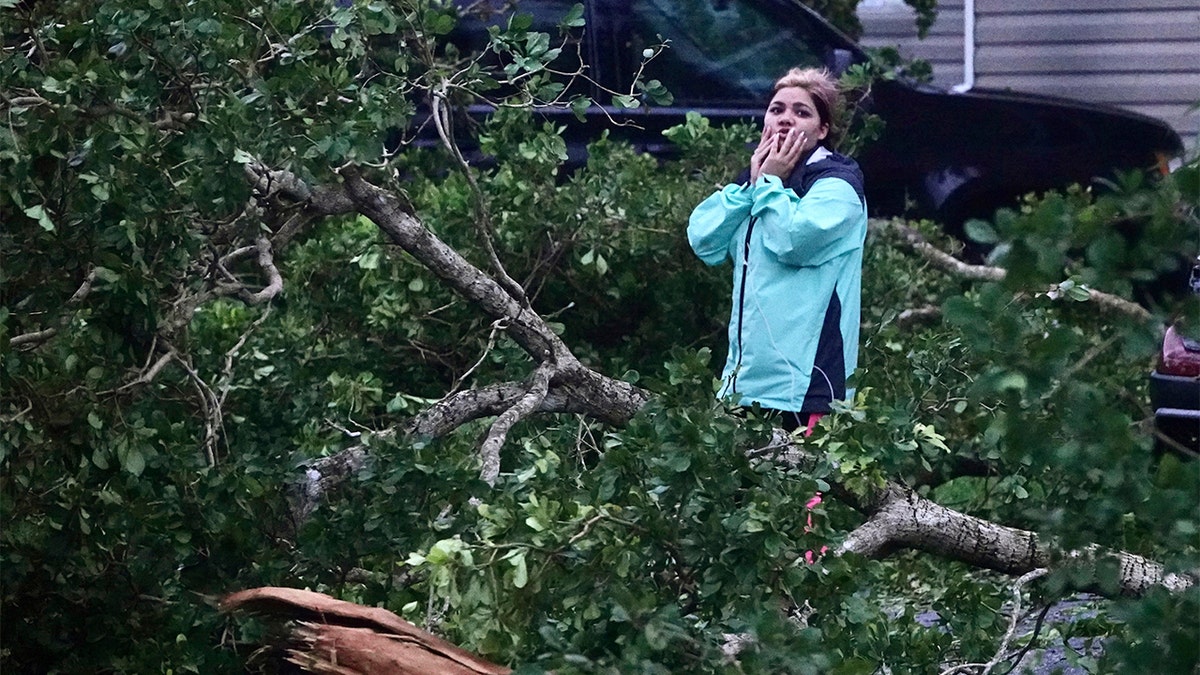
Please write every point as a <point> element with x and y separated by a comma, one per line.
<point>980,231</point>
<point>1079,293</point>
<point>623,101</point>
<point>39,214</point>
<point>100,459</point>
<point>579,107</point>
<point>1011,380</point>
<point>131,459</point>
<point>574,17</point>
<point>520,571</point>
<point>679,462</point>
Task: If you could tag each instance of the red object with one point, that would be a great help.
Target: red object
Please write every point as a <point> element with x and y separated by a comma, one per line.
<point>1177,358</point>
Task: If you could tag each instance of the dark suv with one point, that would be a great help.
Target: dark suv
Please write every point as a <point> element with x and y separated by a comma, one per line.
<point>943,155</point>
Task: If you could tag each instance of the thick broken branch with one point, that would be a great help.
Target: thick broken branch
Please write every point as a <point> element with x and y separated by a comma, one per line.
<point>900,518</point>
<point>326,635</point>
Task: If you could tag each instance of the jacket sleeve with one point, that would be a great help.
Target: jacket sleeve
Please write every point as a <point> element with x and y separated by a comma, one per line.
<point>714,222</point>
<point>812,230</point>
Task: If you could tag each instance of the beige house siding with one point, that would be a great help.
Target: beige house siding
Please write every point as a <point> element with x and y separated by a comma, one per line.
<point>892,24</point>
<point>1142,55</point>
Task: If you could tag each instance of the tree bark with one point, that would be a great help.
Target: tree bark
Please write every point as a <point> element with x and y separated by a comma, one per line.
<point>900,518</point>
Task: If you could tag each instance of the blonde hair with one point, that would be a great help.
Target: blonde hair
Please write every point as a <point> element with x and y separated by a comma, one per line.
<point>821,85</point>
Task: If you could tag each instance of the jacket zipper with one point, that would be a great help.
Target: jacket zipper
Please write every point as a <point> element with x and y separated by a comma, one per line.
<point>742,303</point>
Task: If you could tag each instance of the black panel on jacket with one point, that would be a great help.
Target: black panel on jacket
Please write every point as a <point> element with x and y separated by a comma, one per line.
<point>829,366</point>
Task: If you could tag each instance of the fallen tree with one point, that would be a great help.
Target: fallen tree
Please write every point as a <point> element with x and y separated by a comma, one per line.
<point>897,517</point>
<point>495,384</point>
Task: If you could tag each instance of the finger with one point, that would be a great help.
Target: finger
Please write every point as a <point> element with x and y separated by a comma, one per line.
<point>796,147</point>
<point>792,139</point>
<point>768,137</point>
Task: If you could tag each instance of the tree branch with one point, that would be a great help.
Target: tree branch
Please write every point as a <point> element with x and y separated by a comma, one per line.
<point>899,518</point>
<point>918,315</point>
<point>917,243</point>
<point>1014,619</point>
<point>267,262</point>
<point>483,219</point>
<point>539,384</point>
<point>394,216</point>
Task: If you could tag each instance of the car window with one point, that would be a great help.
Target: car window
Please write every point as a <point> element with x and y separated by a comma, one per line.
<point>471,33</point>
<point>721,50</point>
<point>475,18</point>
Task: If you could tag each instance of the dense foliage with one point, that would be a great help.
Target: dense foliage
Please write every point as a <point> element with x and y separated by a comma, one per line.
<point>148,451</point>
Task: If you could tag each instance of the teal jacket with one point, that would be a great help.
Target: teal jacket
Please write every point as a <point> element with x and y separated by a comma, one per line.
<point>797,281</point>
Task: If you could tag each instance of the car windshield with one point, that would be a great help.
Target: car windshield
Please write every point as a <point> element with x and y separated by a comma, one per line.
<point>720,50</point>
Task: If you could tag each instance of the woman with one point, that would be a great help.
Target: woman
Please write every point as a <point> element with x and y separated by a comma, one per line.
<point>793,226</point>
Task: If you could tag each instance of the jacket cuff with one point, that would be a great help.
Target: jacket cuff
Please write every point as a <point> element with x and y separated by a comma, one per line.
<point>768,180</point>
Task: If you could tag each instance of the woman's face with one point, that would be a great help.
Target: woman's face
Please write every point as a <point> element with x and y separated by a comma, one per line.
<point>793,108</point>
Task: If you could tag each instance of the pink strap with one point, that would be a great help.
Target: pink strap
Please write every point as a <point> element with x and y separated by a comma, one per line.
<point>813,418</point>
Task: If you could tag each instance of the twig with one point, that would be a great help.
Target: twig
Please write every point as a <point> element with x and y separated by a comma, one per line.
<point>148,374</point>
<point>1037,628</point>
<point>214,423</point>
<point>483,219</point>
<point>918,315</point>
<point>915,241</point>
<point>586,528</point>
<point>1080,364</point>
<point>227,373</point>
<point>1174,444</point>
<point>1016,616</point>
<point>1001,655</point>
<point>9,419</point>
<point>33,339</point>
<point>497,326</point>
